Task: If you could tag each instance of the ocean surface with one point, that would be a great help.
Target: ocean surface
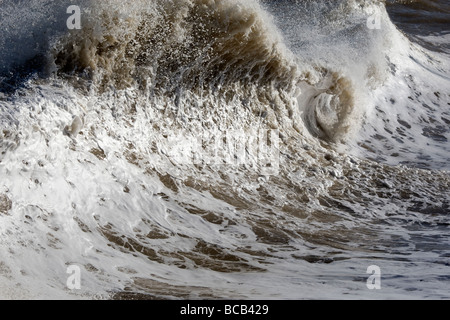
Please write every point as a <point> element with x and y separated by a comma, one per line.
<point>224,149</point>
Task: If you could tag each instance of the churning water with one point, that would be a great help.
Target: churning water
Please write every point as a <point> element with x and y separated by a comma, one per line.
<point>229,149</point>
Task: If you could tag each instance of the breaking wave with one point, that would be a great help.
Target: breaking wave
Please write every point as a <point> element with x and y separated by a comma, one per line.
<point>184,148</point>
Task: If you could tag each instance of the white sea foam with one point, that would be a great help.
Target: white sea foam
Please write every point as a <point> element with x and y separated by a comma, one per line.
<point>120,201</point>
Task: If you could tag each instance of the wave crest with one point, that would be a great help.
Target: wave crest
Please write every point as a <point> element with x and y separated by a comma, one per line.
<point>172,44</point>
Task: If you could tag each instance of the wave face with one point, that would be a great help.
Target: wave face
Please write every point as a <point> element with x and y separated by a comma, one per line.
<point>224,149</point>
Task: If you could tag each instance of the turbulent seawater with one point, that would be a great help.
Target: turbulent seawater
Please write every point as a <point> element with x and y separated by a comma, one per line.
<point>225,149</point>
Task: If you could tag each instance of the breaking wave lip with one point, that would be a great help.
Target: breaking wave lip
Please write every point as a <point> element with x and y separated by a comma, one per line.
<point>85,155</point>
<point>170,48</point>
